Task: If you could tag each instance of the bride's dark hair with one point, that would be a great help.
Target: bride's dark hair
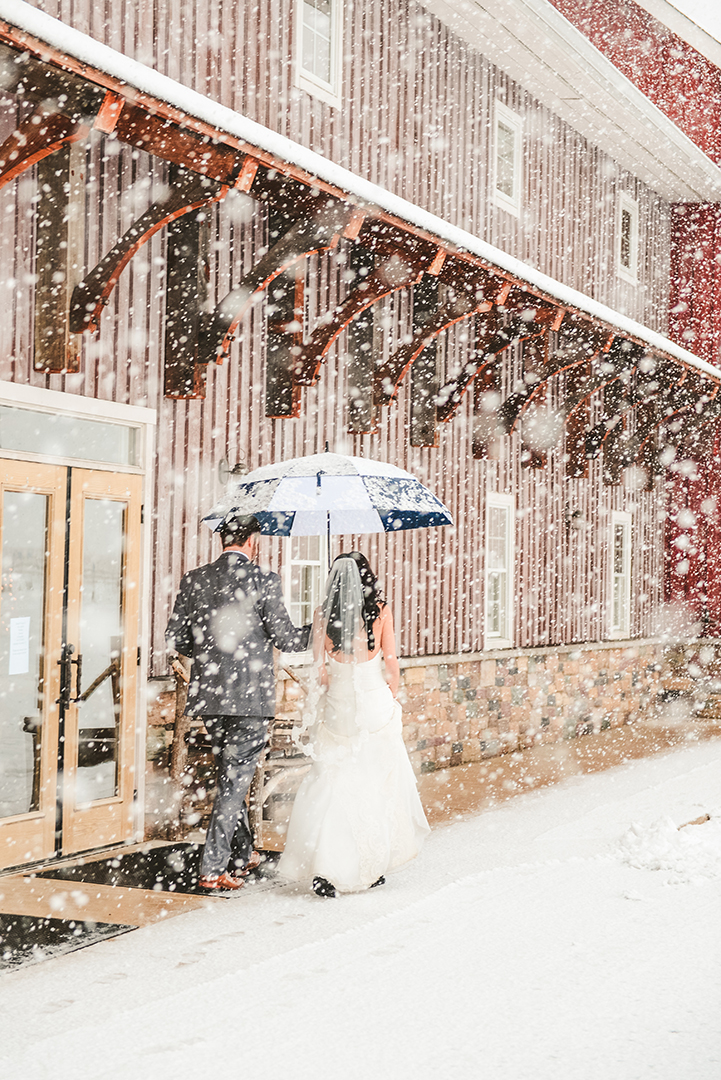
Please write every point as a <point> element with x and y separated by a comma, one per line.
<point>372,600</point>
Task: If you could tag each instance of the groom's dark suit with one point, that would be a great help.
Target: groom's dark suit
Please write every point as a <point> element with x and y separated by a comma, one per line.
<point>228,615</point>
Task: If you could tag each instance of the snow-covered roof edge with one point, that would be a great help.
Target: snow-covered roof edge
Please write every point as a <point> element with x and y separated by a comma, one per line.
<point>102,58</point>
<point>685,27</point>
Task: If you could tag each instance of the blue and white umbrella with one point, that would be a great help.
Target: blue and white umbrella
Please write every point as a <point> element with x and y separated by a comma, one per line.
<point>331,493</point>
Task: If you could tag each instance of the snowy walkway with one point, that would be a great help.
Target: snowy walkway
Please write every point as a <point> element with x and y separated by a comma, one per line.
<point>520,945</point>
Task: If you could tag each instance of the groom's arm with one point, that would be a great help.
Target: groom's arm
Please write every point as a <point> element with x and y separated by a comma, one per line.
<point>277,622</point>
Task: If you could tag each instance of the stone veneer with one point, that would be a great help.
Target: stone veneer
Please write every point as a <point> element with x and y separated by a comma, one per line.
<point>464,708</point>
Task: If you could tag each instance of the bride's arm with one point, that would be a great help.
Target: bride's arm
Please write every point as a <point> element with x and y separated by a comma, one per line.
<point>388,648</point>
<point>319,647</point>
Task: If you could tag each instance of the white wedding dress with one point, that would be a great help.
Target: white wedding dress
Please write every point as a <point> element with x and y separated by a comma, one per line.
<point>357,815</point>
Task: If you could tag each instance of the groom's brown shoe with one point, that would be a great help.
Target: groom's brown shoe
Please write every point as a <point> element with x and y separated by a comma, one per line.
<point>220,881</point>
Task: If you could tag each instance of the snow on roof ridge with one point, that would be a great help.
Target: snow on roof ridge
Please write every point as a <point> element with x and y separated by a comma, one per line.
<point>103,58</point>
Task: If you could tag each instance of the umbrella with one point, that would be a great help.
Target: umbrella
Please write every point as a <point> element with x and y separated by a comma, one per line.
<point>331,493</point>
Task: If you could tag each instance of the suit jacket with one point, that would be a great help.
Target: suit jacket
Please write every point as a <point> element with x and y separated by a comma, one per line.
<point>228,615</point>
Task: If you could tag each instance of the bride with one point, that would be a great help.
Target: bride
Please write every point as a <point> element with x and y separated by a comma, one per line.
<point>357,814</point>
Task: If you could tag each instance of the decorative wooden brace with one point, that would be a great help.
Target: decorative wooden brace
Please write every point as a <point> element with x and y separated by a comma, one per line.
<point>361,359</point>
<point>675,396</point>
<point>314,233</point>
<point>463,300</point>
<point>604,369</point>
<point>181,146</point>
<point>580,346</point>
<point>394,274</point>
<point>187,191</point>
<point>65,109</point>
<point>694,432</point>
<point>616,369</point>
<point>186,298</point>
<point>58,247</point>
<point>424,371</point>
<point>495,338</point>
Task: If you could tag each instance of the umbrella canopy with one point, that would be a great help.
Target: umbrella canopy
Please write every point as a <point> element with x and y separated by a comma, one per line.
<point>331,493</point>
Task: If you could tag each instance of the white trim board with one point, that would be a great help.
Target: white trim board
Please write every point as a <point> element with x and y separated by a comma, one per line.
<point>60,401</point>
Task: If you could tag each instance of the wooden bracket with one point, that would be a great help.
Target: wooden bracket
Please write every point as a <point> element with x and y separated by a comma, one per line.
<point>247,175</point>
<point>38,136</point>
<point>497,338</point>
<point>65,107</point>
<point>669,402</point>
<point>181,146</point>
<point>529,308</point>
<point>565,359</point>
<point>109,113</point>
<point>389,377</point>
<point>93,292</point>
<point>610,363</point>
<point>305,237</point>
<point>391,276</point>
<point>437,265</point>
<point>354,226</point>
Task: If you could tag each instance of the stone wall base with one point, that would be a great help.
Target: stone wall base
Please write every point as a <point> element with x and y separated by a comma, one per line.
<point>464,710</point>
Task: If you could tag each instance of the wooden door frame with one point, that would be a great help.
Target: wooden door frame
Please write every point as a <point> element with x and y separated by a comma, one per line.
<point>143,419</point>
<point>107,821</point>
<point>30,837</point>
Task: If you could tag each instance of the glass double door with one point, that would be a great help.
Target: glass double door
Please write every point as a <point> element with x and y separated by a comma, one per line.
<point>69,609</point>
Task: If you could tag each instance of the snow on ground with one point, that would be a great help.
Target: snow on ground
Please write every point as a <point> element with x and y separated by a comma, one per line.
<point>572,933</point>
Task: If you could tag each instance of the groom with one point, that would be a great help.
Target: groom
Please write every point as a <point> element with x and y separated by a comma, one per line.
<point>228,615</point>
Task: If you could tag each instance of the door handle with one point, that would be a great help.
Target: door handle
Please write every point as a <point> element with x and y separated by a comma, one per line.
<point>66,674</point>
<point>66,662</point>
<point>78,676</point>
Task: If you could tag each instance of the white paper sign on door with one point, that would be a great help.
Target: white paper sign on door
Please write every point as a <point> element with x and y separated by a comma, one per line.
<point>19,646</point>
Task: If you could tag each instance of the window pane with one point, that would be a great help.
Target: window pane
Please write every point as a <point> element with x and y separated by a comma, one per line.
<point>626,238</point>
<point>305,578</point>
<point>101,645</point>
<point>497,550</point>
<point>619,549</point>
<point>620,584</point>
<point>495,613</point>
<point>59,435</point>
<point>505,159</point>
<point>497,571</point>
<point>317,38</point>
<point>22,649</point>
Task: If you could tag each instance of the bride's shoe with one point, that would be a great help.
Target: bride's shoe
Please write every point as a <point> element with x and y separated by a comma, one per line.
<point>381,881</point>
<point>321,887</point>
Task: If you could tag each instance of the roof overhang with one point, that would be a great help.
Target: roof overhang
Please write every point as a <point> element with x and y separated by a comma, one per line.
<point>37,33</point>
<point>685,28</point>
<point>545,54</point>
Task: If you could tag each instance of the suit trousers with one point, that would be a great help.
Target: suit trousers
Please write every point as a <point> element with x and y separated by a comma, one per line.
<point>237,744</point>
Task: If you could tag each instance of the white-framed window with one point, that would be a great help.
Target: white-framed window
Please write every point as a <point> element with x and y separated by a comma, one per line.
<point>620,576</point>
<point>320,45</point>
<point>627,238</point>
<point>507,161</point>
<point>500,522</point>
<point>306,569</point>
